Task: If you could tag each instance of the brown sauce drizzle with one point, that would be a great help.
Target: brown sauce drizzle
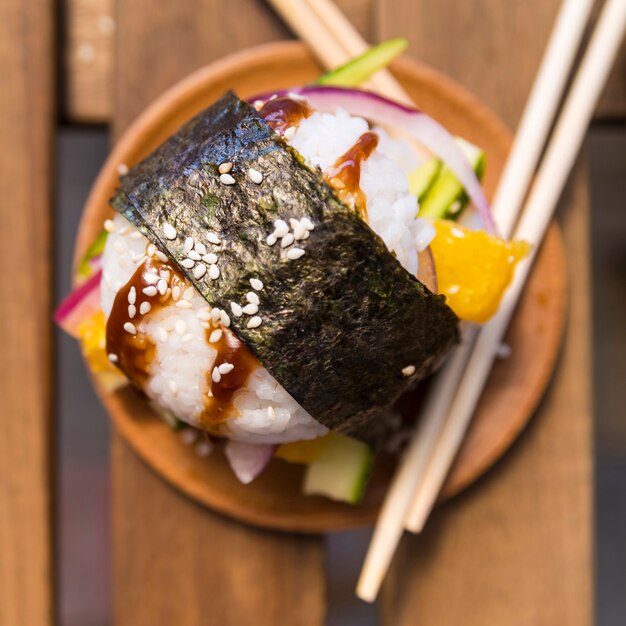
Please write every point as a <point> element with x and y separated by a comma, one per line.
<point>135,353</point>
<point>345,175</point>
<point>230,349</point>
<point>283,112</point>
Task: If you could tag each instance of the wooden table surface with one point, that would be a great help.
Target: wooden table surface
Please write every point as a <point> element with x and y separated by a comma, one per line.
<point>515,549</point>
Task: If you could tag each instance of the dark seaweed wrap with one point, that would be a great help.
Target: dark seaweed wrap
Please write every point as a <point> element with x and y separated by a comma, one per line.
<point>340,323</point>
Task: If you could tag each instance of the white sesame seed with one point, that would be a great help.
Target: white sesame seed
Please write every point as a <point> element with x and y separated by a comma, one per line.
<point>193,255</point>
<point>227,179</point>
<point>215,375</point>
<point>307,223</point>
<point>271,413</point>
<point>125,230</point>
<point>173,387</point>
<point>251,309</point>
<point>289,132</point>
<point>199,271</point>
<point>150,291</point>
<point>136,235</point>
<point>188,263</point>
<point>161,256</point>
<point>287,240</point>
<point>215,336</point>
<point>224,168</point>
<point>409,370</point>
<point>188,294</point>
<point>132,295</point>
<point>144,308</point>
<point>188,244</point>
<point>109,226</point>
<point>151,278</point>
<point>214,272</point>
<point>151,249</point>
<point>162,334</point>
<point>294,223</point>
<point>184,304</point>
<point>189,436</point>
<point>456,232</point>
<point>210,258</point>
<point>226,368</point>
<point>180,327</point>
<point>271,239</point>
<point>295,253</point>
<point>175,293</point>
<point>256,284</point>
<point>162,286</point>
<point>165,275</point>
<point>129,327</point>
<point>203,448</point>
<point>214,239</point>
<point>280,228</point>
<point>252,297</point>
<point>236,309</point>
<point>122,169</point>
<point>132,311</point>
<point>216,314</point>
<point>300,232</point>
<point>113,358</point>
<point>169,231</point>
<point>255,176</point>
<point>204,314</point>
<point>254,322</point>
<point>200,248</point>
<point>224,319</point>
<point>186,338</point>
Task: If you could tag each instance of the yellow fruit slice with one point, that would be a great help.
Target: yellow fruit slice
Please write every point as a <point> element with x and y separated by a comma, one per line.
<point>301,451</point>
<point>473,268</point>
<point>92,336</point>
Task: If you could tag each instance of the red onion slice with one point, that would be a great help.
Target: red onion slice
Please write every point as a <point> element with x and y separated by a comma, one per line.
<point>81,303</point>
<point>248,460</point>
<point>414,123</point>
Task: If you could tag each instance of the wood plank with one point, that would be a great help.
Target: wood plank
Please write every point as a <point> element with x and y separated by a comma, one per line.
<point>517,548</point>
<point>26,118</point>
<point>499,552</point>
<point>88,58</point>
<point>175,562</point>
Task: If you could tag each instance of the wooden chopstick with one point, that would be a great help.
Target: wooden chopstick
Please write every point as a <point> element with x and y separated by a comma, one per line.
<point>551,177</point>
<point>334,40</point>
<point>530,140</point>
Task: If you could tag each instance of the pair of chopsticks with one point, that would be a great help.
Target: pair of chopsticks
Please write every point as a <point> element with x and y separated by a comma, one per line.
<point>459,385</point>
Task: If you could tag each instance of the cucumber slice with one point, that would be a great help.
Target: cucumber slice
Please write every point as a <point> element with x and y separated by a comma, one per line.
<point>360,69</point>
<point>84,269</point>
<point>341,471</point>
<point>422,178</point>
<point>446,197</point>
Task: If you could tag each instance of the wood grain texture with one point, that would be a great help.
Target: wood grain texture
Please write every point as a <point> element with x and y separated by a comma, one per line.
<point>175,562</point>
<point>493,47</point>
<point>26,117</point>
<point>517,549</point>
<point>88,58</point>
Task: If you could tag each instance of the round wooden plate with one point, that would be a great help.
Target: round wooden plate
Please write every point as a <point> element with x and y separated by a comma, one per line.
<point>515,386</point>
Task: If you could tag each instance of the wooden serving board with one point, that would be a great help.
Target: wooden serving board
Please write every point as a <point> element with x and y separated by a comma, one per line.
<point>515,386</point>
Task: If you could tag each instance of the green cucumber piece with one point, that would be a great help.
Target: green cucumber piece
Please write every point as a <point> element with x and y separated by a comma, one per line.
<point>84,269</point>
<point>341,471</point>
<point>446,197</point>
<point>360,69</point>
<point>422,178</point>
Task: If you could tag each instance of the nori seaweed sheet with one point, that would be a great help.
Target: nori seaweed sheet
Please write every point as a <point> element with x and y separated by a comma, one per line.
<point>341,322</point>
